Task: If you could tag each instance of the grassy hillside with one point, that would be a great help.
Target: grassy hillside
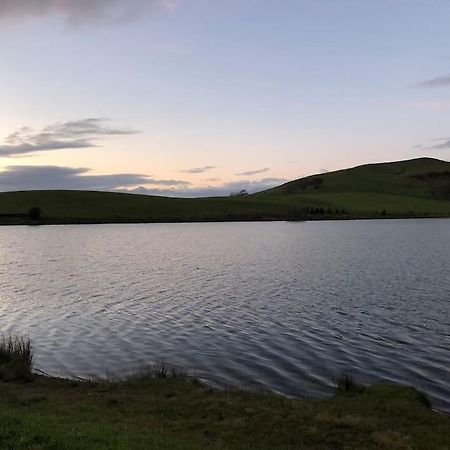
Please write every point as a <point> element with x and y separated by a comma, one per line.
<point>414,187</point>
<point>419,187</point>
<point>422,177</point>
<point>93,207</point>
<point>178,413</point>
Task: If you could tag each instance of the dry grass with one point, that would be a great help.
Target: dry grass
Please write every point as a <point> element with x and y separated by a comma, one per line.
<point>16,358</point>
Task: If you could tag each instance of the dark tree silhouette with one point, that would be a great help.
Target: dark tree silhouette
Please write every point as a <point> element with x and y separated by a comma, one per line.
<point>34,213</point>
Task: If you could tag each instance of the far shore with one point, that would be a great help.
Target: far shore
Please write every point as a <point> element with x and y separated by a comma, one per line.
<point>73,221</point>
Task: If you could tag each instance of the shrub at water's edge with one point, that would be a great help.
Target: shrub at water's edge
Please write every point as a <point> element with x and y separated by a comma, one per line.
<point>16,358</point>
<point>346,383</point>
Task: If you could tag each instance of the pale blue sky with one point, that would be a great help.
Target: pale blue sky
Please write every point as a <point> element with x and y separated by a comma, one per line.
<point>226,88</point>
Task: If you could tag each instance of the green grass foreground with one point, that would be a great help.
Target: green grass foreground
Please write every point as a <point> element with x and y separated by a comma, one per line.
<point>179,413</point>
<point>414,188</point>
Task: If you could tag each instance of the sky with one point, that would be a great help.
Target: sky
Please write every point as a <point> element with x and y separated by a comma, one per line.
<point>201,97</point>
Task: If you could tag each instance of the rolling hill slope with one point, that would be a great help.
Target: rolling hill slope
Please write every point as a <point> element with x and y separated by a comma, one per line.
<point>413,188</point>
<point>422,177</point>
<point>416,187</point>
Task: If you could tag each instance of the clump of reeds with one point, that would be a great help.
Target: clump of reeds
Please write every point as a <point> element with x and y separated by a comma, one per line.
<point>16,358</point>
<point>345,382</point>
<point>158,370</point>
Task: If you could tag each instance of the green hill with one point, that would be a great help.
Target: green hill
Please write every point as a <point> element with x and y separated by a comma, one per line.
<point>423,177</point>
<point>413,188</point>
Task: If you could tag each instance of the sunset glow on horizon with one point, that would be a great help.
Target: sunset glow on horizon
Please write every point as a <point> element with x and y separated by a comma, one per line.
<point>191,98</point>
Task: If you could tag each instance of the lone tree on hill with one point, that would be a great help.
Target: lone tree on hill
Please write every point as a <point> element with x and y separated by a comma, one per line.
<point>34,213</point>
<point>241,193</point>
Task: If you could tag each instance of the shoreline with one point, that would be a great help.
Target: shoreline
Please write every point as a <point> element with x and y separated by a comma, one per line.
<point>164,371</point>
<point>47,222</point>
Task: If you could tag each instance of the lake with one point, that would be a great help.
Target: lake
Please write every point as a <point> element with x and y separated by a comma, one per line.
<point>284,306</point>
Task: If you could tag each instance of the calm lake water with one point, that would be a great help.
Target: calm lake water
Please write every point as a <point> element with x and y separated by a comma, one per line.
<point>279,306</point>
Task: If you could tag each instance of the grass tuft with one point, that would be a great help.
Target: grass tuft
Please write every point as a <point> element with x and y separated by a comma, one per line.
<point>346,383</point>
<point>158,370</point>
<point>16,358</point>
<point>423,398</point>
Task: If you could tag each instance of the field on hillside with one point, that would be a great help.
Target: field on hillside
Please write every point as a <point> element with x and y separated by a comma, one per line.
<point>422,177</point>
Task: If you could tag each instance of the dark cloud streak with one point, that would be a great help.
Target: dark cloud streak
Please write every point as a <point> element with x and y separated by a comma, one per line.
<point>253,172</point>
<point>19,178</point>
<point>439,82</point>
<point>15,178</point>
<point>76,134</point>
<point>199,169</point>
<point>80,11</point>
<point>443,146</point>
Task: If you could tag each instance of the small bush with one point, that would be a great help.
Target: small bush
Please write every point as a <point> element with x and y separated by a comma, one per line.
<point>34,213</point>
<point>347,383</point>
<point>16,359</point>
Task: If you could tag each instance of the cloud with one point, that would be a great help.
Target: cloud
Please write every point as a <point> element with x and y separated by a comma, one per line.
<point>439,82</point>
<point>15,178</point>
<point>223,190</point>
<point>324,170</point>
<point>442,146</point>
<point>440,139</point>
<point>199,169</point>
<point>81,11</point>
<point>21,178</point>
<point>433,105</point>
<point>253,172</point>
<point>443,143</point>
<point>74,134</point>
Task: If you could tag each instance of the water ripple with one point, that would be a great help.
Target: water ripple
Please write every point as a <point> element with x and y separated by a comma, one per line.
<point>279,306</point>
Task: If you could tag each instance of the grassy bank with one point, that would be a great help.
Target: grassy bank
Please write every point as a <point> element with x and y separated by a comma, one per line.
<point>415,188</point>
<point>172,413</point>
<point>159,407</point>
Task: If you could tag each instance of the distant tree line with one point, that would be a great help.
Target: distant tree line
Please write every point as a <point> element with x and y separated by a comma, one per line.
<point>33,213</point>
<point>241,193</point>
<point>317,211</point>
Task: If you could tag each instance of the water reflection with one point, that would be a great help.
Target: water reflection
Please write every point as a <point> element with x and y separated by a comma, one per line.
<point>281,306</point>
